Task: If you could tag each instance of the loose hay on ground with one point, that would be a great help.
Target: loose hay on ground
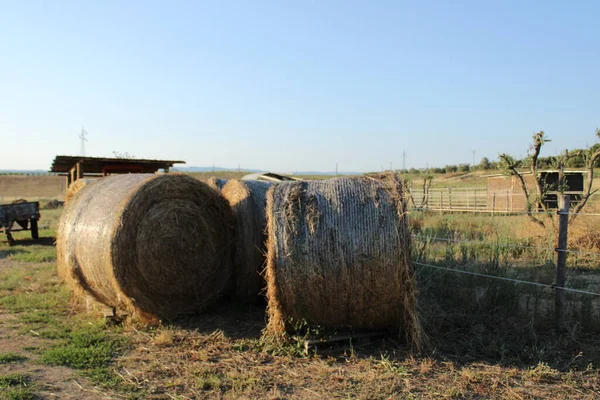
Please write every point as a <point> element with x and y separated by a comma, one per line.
<point>339,257</point>
<point>248,202</point>
<point>152,245</point>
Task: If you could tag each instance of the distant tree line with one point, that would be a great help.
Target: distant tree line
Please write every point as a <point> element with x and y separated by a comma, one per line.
<point>484,165</point>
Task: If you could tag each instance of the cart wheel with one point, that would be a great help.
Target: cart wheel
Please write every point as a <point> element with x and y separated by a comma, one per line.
<point>34,229</point>
<point>9,238</point>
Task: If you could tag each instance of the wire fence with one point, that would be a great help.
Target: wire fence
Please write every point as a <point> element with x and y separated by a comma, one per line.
<point>517,281</point>
<point>479,199</point>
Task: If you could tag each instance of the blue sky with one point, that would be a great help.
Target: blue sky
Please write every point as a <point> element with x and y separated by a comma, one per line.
<point>290,86</point>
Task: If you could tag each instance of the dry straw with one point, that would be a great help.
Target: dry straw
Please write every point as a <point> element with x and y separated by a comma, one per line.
<point>248,201</point>
<point>76,187</point>
<point>151,245</point>
<point>339,257</point>
<point>216,183</point>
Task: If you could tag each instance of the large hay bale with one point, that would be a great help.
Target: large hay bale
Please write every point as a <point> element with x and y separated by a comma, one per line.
<point>248,201</point>
<point>339,257</point>
<point>152,245</point>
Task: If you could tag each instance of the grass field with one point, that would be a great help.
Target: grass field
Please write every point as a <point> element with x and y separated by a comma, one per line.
<point>487,339</point>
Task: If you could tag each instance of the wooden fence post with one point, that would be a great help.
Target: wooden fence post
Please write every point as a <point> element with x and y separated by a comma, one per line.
<point>450,197</point>
<point>493,203</point>
<point>564,204</point>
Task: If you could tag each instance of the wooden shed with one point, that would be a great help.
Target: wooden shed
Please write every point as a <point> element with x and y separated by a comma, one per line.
<point>77,167</point>
<point>505,194</point>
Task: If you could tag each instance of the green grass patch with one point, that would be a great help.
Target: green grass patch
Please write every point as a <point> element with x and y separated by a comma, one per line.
<point>34,254</point>
<point>86,348</point>
<point>19,393</point>
<point>90,349</point>
<point>8,358</point>
<point>13,380</point>
<point>16,387</point>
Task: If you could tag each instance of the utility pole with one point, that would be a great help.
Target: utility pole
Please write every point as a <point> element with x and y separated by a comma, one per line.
<point>473,157</point>
<point>336,169</point>
<point>239,170</point>
<point>404,160</point>
<point>391,166</point>
<point>82,140</point>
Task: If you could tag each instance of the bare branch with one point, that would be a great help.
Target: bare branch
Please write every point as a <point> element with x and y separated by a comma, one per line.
<point>589,183</point>
<point>510,166</point>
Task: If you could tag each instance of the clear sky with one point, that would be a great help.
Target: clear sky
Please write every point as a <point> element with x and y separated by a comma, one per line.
<point>284,86</point>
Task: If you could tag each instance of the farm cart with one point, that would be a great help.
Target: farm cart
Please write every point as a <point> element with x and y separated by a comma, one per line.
<point>24,214</point>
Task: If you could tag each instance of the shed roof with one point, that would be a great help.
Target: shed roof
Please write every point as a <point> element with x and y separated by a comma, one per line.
<point>97,164</point>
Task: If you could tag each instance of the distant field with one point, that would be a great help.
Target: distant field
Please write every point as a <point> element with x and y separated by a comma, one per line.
<point>49,187</point>
<point>33,188</point>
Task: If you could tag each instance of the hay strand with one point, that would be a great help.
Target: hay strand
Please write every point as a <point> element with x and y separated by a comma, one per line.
<point>151,245</point>
<point>339,257</point>
<point>76,187</point>
<point>248,202</point>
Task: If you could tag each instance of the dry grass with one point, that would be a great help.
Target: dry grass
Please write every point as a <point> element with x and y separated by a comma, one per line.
<point>224,358</point>
<point>151,245</point>
<point>220,355</point>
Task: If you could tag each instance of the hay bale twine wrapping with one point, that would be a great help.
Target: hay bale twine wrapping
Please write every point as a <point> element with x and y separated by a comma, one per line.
<point>76,187</point>
<point>152,245</point>
<point>248,200</point>
<point>216,183</point>
<point>339,257</point>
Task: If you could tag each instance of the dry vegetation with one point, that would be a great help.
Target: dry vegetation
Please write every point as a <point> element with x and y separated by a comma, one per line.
<point>480,347</point>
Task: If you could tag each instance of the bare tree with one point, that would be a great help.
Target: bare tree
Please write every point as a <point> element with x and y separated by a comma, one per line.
<point>534,197</point>
<point>425,199</point>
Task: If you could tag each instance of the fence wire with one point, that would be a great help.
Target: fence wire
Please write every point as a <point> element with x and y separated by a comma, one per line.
<point>518,281</point>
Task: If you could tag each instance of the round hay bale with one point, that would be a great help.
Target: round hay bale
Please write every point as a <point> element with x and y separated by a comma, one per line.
<point>151,245</point>
<point>339,257</point>
<point>248,201</point>
<point>216,183</point>
<point>76,187</point>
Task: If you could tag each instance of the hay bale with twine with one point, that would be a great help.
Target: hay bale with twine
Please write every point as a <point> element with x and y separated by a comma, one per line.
<point>339,257</point>
<point>216,183</point>
<point>153,246</point>
<point>248,200</point>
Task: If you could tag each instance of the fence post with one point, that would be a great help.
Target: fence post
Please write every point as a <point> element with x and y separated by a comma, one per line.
<point>493,203</point>
<point>564,203</point>
<point>450,197</point>
<point>476,199</point>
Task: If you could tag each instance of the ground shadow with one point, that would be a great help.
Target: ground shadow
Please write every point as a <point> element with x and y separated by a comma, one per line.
<point>507,343</point>
<point>43,241</point>
<point>236,320</point>
<point>10,252</point>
